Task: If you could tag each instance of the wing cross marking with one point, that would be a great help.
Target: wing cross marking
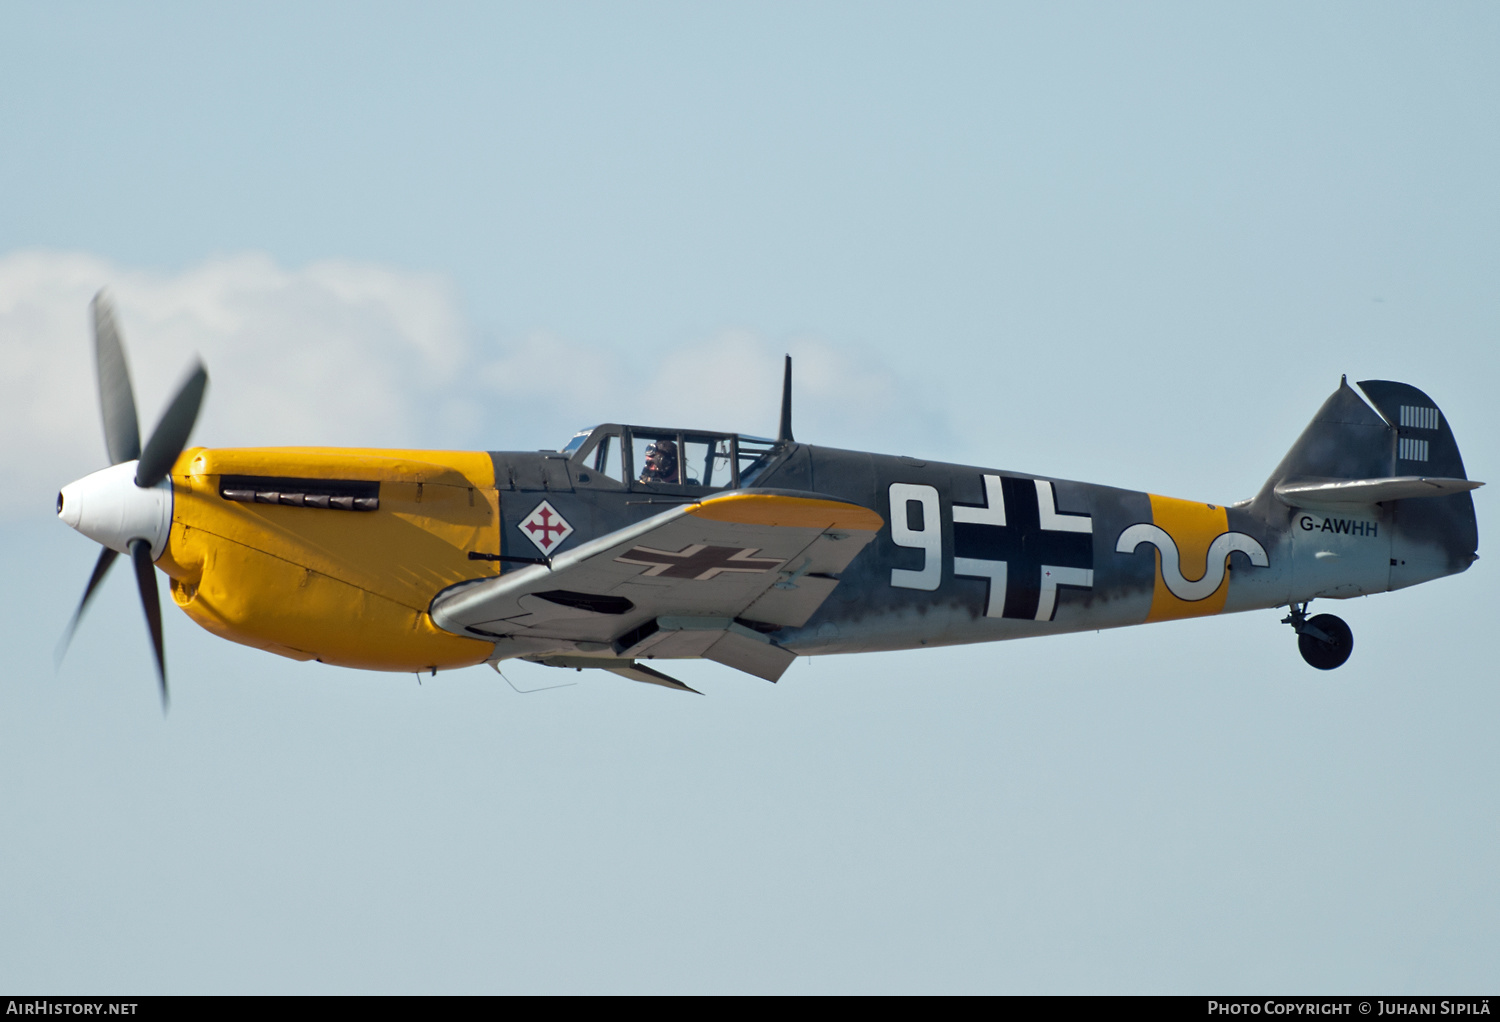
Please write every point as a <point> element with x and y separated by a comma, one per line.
<point>698,561</point>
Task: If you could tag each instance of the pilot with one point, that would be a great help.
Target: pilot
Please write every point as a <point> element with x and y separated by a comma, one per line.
<point>661,463</point>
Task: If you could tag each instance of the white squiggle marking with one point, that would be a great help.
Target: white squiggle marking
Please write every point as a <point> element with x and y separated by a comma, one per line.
<point>1171,570</point>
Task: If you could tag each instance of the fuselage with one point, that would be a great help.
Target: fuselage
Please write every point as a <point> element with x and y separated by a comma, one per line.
<point>338,554</point>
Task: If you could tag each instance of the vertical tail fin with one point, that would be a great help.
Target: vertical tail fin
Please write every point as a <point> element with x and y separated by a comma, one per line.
<point>1404,435</point>
<point>1345,440</point>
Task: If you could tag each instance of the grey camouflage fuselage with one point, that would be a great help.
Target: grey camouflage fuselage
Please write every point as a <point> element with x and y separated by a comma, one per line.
<point>971,554</point>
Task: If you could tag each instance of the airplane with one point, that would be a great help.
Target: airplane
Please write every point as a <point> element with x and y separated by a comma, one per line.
<point>635,545</point>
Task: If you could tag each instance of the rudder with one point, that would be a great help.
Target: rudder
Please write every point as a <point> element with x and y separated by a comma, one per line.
<point>1436,535</point>
<point>1424,444</point>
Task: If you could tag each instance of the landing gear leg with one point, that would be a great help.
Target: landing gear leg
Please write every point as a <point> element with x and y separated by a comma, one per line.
<point>1324,641</point>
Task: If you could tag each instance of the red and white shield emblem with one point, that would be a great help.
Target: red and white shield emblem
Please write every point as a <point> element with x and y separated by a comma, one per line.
<point>546,528</point>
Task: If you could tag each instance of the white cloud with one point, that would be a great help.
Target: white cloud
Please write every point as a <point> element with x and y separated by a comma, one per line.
<point>360,355</point>
<point>336,353</point>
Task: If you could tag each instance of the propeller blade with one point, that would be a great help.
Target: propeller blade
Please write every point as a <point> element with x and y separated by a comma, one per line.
<point>145,580</point>
<point>101,567</point>
<point>171,433</point>
<point>122,431</point>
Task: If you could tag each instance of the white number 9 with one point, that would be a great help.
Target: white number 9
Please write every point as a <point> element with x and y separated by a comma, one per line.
<point>928,537</point>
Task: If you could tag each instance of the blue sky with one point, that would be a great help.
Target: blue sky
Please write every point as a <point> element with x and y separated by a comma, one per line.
<point>1132,245</point>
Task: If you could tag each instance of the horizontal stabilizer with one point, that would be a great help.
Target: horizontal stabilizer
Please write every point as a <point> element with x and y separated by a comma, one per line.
<point>1341,494</point>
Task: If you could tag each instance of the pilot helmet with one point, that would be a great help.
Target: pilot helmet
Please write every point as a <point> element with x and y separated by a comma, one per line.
<point>664,452</point>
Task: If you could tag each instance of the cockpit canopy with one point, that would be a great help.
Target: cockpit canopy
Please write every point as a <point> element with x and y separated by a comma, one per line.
<point>647,456</point>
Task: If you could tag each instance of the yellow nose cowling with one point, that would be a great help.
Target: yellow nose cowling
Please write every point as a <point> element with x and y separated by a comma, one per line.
<point>279,565</point>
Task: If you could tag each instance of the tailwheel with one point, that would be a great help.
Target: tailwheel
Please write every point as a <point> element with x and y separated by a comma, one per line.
<point>1324,641</point>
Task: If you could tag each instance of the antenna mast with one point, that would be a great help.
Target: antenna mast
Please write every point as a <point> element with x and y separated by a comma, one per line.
<point>784,434</point>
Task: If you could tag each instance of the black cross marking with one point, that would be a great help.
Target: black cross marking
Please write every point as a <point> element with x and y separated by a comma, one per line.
<point>1026,548</point>
<point>697,561</point>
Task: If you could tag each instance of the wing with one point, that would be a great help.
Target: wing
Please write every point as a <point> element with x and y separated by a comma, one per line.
<point>713,579</point>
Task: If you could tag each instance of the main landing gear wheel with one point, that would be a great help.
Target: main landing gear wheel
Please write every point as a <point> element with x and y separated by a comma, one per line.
<point>1324,641</point>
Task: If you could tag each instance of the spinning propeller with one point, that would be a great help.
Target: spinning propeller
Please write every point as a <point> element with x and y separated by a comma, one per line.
<point>127,508</point>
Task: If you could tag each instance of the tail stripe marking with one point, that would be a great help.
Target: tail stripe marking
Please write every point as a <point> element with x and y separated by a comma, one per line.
<point>1419,416</point>
<point>1412,450</point>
